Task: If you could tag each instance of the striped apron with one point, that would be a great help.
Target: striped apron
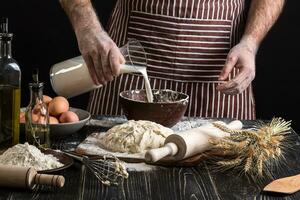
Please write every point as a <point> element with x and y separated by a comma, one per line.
<point>186,42</point>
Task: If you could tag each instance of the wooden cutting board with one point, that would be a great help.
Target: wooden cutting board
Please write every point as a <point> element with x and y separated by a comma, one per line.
<point>91,147</point>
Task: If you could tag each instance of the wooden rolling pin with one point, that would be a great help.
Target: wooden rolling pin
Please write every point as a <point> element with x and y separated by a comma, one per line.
<point>191,142</point>
<point>27,177</point>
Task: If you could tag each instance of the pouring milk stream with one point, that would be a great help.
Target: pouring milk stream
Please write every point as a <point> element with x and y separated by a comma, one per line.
<point>71,77</point>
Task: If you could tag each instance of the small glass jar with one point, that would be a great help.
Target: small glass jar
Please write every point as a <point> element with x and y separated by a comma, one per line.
<point>37,130</point>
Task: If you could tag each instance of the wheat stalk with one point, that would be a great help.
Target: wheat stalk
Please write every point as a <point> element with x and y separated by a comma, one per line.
<point>248,164</point>
<point>230,162</point>
<point>255,151</point>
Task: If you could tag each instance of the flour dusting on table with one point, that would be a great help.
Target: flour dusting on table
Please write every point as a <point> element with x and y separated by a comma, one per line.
<point>140,167</point>
<point>25,155</point>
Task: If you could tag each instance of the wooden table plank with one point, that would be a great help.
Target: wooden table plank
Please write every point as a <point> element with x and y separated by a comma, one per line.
<point>162,183</point>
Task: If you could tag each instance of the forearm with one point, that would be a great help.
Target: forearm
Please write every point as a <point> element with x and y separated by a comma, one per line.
<point>262,16</point>
<point>81,14</point>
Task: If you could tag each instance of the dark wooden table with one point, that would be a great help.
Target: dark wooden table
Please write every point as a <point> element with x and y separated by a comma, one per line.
<point>163,183</point>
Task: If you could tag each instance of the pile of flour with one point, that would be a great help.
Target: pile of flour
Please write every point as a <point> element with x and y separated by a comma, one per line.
<point>25,155</point>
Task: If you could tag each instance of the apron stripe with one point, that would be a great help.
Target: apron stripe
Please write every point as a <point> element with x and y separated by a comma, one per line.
<point>192,9</point>
<point>162,8</point>
<point>165,84</point>
<point>237,106</point>
<point>97,95</point>
<point>201,100</point>
<point>218,11</point>
<point>191,97</point>
<point>113,101</point>
<point>118,83</point>
<point>197,10</point>
<point>246,105</point>
<point>102,100</point>
<point>108,102</point>
<point>176,86</point>
<point>213,99</point>
<point>167,8</point>
<point>115,23</point>
<point>206,100</point>
<point>223,105</point>
<point>154,83</point>
<point>242,105</point>
<point>195,86</point>
<point>233,106</point>
<point>219,110</point>
<point>250,104</point>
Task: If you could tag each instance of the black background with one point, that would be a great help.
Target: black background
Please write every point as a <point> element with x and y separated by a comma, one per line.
<point>43,36</point>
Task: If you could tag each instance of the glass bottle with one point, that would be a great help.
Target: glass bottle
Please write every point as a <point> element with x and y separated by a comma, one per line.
<point>10,90</point>
<point>37,130</point>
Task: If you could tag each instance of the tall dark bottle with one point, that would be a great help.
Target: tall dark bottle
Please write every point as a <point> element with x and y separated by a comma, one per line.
<point>10,90</point>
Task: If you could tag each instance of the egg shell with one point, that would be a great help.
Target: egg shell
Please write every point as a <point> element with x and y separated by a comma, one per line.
<point>36,109</point>
<point>58,105</point>
<point>42,120</point>
<point>47,99</point>
<point>68,116</point>
<point>22,117</point>
<point>34,118</point>
<point>53,120</point>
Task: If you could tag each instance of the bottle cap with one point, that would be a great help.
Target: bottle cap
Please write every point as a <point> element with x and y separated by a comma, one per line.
<point>4,34</point>
<point>35,77</point>
<point>3,25</point>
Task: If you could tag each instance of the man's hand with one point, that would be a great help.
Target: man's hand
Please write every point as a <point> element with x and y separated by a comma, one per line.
<point>100,53</point>
<point>261,17</point>
<point>242,57</point>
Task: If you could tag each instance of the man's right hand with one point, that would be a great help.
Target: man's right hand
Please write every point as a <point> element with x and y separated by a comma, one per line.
<point>100,53</point>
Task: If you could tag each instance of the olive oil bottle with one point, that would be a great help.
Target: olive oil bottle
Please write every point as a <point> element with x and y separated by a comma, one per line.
<point>10,82</point>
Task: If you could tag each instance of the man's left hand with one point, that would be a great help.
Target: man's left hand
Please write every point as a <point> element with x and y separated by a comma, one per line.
<point>242,57</point>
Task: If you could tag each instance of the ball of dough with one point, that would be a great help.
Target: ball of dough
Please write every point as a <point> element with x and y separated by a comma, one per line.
<point>135,136</point>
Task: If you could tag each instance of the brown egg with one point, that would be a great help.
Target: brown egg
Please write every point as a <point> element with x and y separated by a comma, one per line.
<point>42,120</point>
<point>36,109</point>
<point>53,120</point>
<point>22,117</point>
<point>58,105</point>
<point>47,99</point>
<point>34,118</point>
<point>68,116</point>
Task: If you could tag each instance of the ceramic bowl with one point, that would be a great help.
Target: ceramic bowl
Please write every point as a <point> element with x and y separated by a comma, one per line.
<point>167,109</point>
<point>64,129</point>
